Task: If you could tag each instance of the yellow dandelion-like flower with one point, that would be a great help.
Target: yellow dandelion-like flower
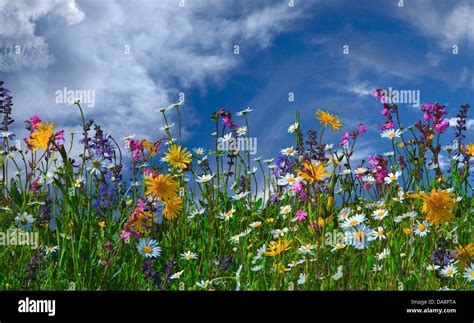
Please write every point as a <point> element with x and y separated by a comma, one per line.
<point>172,208</point>
<point>163,187</point>
<point>465,254</point>
<point>313,171</point>
<point>328,119</point>
<point>40,138</point>
<point>178,157</point>
<point>438,206</point>
<point>143,221</point>
<point>469,149</point>
<point>276,248</point>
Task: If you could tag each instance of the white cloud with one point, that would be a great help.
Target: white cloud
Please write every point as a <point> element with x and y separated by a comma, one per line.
<point>171,49</point>
<point>469,123</point>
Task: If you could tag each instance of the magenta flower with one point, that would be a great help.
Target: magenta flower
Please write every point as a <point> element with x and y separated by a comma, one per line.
<point>301,215</point>
<point>297,187</point>
<point>362,128</point>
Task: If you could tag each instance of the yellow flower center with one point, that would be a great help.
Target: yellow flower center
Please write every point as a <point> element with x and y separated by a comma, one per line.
<point>290,180</point>
<point>353,222</point>
<point>391,135</point>
<point>95,164</point>
<point>449,272</point>
<point>359,236</point>
<point>147,249</point>
<point>421,227</point>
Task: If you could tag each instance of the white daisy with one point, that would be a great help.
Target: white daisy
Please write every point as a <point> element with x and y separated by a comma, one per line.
<point>392,177</point>
<point>391,133</point>
<point>449,271</point>
<point>293,127</point>
<point>379,214</point>
<point>422,228</point>
<point>288,151</point>
<point>288,179</point>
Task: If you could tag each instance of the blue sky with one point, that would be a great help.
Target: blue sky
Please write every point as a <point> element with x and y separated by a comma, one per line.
<point>80,45</point>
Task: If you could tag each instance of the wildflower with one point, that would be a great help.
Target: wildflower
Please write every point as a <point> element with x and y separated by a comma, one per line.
<point>353,221</point>
<point>176,275</point>
<point>199,151</point>
<point>391,133</point>
<point>149,248</point>
<point>465,254</point>
<point>362,128</point>
<point>328,147</point>
<point>449,271</point>
<point>360,170</point>
<point>306,249</point>
<point>469,273</point>
<point>376,268</point>
<point>346,171</point>
<point>469,149</point>
<point>301,279</point>
<point>172,207</point>
<point>256,268</point>
<point>313,171</point>
<point>162,187</point>
<point>377,234</point>
<point>359,236</point>
<point>432,267</point>
<point>241,195</point>
<point>328,119</point>
<point>438,206</point>
<point>285,210</point>
<point>227,215</point>
<point>24,221</point>
<point>255,224</point>
<point>51,249</point>
<point>421,228</point>
<point>96,166</point>
<point>242,131</point>
<point>379,214</point>
<point>288,179</point>
<point>301,215</point>
<point>279,232</point>
<point>343,214</point>
<point>338,274</point>
<point>178,157</point>
<point>295,263</point>
<point>204,284</point>
<point>188,255</point>
<point>142,220</point>
<point>278,247</point>
<point>338,246</point>
<point>384,254</point>
<point>41,137</point>
<point>293,127</point>
<point>288,151</point>
<point>391,177</point>
<point>244,112</point>
<point>204,178</point>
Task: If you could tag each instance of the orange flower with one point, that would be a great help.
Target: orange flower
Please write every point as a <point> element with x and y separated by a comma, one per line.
<point>40,138</point>
<point>313,171</point>
<point>438,206</point>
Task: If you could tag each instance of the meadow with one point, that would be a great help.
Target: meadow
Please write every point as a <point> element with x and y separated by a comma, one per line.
<point>151,214</point>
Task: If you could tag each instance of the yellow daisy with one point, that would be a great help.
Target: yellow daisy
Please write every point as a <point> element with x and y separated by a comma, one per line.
<point>178,157</point>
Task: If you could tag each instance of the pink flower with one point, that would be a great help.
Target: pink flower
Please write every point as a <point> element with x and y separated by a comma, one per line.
<point>297,187</point>
<point>345,138</point>
<point>34,120</point>
<point>441,126</point>
<point>125,235</point>
<point>301,215</point>
<point>362,128</point>
<point>385,112</point>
